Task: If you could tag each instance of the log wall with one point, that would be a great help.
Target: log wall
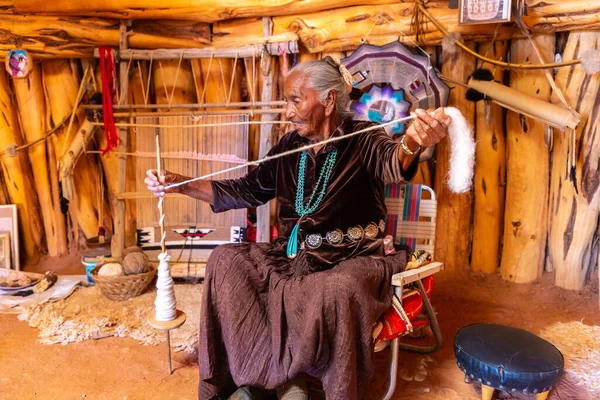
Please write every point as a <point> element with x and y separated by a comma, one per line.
<point>453,229</point>
<point>525,220</point>
<point>574,210</point>
<point>522,215</point>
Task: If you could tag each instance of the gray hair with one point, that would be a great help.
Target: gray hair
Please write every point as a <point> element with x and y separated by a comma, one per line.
<point>325,75</point>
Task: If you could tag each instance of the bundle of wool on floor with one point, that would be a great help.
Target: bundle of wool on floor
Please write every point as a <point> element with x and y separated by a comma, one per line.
<point>580,345</point>
<point>87,314</point>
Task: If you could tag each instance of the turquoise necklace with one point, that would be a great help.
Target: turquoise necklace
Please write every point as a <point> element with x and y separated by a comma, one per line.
<point>313,202</point>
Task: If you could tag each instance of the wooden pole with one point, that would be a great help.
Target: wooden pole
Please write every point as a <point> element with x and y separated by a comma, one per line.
<point>490,174</point>
<point>263,213</point>
<point>453,244</point>
<point>18,176</point>
<point>224,111</point>
<point>526,206</point>
<point>573,213</point>
<point>244,51</point>
<point>118,239</point>
<point>176,106</point>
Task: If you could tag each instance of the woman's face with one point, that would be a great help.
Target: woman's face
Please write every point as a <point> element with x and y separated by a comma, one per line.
<point>304,109</point>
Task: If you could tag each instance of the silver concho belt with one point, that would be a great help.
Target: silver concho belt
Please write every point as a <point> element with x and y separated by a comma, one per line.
<point>314,240</point>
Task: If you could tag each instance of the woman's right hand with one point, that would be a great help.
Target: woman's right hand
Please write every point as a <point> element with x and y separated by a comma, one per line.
<point>156,182</point>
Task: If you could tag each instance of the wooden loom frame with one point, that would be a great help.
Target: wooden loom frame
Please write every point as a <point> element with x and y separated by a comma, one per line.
<point>267,116</point>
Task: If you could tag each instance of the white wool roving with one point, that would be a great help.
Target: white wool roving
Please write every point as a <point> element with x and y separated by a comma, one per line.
<point>165,302</point>
<point>590,61</point>
<point>462,152</point>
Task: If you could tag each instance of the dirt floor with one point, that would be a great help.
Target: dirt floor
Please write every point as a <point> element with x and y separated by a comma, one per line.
<point>117,368</point>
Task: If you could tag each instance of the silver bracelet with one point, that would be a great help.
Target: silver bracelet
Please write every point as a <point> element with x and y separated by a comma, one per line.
<point>405,148</point>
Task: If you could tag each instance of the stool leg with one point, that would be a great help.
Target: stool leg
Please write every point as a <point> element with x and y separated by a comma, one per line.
<point>487,392</point>
<point>542,396</point>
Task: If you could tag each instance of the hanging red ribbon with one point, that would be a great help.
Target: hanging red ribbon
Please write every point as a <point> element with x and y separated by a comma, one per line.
<point>109,82</point>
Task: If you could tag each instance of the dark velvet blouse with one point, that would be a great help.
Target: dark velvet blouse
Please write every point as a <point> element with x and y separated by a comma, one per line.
<point>354,194</point>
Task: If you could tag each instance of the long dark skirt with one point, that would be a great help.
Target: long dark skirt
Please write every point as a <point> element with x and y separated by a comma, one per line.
<point>261,325</point>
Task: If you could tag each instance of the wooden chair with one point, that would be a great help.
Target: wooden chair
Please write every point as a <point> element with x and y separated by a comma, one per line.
<point>411,221</point>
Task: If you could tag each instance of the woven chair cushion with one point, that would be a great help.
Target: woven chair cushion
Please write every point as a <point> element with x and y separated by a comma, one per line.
<point>508,358</point>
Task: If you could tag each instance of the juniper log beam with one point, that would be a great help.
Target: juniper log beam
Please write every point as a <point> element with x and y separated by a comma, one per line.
<point>490,174</point>
<point>18,176</point>
<point>561,15</point>
<point>197,10</point>
<point>61,85</point>
<point>32,108</point>
<point>574,215</point>
<point>542,14</point>
<point>526,205</point>
<point>453,223</point>
<point>64,30</point>
<point>59,37</point>
<point>345,29</point>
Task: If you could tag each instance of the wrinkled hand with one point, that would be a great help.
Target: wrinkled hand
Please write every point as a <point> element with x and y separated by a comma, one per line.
<point>429,128</point>
<point>156,183</point>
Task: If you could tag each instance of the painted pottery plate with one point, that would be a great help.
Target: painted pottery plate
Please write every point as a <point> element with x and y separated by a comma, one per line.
<point>13,281</point>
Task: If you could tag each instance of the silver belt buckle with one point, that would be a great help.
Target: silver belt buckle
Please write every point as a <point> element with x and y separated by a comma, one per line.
<point>314,240</point>
<point>335,237</point>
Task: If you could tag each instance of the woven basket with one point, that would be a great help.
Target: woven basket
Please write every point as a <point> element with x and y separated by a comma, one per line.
<point>123,287</point>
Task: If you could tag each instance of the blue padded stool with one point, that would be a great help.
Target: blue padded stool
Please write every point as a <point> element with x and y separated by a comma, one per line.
<point>508,359</point>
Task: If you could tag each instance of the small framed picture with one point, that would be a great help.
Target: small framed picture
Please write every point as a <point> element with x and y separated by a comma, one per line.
<point>5,250</point>
<point>9,226</point>
<point>18,63</point>
<point>484,11</point>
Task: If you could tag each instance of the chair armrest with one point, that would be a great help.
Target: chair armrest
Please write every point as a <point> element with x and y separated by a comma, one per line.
<point>412,275</point>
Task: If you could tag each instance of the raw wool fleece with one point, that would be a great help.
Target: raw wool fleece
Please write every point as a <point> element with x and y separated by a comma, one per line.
<point>462,152</point>
<point>580,346</point>
<point>87,314</point>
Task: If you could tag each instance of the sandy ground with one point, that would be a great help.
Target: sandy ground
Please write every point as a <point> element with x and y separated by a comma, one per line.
<point>116,368</point>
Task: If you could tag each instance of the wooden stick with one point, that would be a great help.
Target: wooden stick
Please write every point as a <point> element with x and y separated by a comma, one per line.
<point>197,113</point>
<point>169,350</point>
<point>118,240</point>
<point>195,125</point>
<point>193,105</point>
<point>263,213</point>
<point>169,54</point>
<point>161,220</point>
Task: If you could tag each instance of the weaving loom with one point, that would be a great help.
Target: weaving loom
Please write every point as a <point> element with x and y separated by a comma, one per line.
<point>191,151</point>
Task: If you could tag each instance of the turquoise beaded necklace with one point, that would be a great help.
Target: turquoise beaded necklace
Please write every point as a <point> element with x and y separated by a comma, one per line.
<point>313,202</point>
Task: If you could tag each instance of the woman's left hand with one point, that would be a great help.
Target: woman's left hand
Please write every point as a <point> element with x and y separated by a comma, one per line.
<point>428,129</point>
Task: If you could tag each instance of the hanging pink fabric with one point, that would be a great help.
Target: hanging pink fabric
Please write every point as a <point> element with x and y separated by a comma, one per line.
<point>109,82</point>
<point>283,54</point>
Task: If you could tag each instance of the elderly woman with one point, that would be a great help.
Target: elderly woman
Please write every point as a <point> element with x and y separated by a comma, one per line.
<point>306,303</point>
